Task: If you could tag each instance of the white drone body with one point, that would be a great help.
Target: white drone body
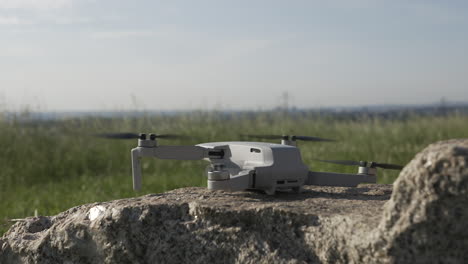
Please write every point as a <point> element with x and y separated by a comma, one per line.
<point>255,165</point>
<point>237,166</point>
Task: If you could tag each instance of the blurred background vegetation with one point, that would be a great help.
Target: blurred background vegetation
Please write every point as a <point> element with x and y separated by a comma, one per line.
<point>53,164</point>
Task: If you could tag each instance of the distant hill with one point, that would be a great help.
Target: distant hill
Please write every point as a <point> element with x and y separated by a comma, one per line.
<point>382,111</point>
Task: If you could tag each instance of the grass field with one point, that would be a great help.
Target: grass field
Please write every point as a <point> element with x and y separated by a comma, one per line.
<point>50,166</point>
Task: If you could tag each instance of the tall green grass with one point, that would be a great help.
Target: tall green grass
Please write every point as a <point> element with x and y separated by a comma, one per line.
<point>50,166</point>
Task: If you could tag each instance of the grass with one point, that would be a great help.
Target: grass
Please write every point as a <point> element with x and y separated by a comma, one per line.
<point>50,166</point>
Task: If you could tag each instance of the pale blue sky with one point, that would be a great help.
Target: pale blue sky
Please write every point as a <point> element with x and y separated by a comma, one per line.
<point>99,54</point>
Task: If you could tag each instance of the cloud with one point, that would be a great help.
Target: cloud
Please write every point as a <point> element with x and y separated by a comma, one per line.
<point>121,34</point>
<point>49,19</point>
<point>66,20</point>
<point>34,12</point>
<point>20,50</point>
<point>35,4</point>
<point>13,20</point>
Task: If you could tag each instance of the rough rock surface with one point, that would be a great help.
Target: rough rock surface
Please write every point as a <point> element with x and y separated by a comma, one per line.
<point>424,220</point>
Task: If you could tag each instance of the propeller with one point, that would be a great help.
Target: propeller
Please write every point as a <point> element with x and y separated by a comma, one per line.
<point>307,138</point>
<point>118,135</point>
<point>372,164</point>
<point>128,135</point>
<point>386,166</point>
<point>267,136</point>
<point>286,137</point>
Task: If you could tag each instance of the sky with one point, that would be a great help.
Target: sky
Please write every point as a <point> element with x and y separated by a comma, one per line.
<point>83,55</point>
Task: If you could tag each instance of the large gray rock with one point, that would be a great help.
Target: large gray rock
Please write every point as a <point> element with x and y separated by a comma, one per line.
<point>424,220</point>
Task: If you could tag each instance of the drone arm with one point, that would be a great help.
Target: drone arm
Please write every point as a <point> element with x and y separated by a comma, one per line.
<point>168,152</point>
<point>180,152</point>
<point>136,169</point>
<point>338,179</point>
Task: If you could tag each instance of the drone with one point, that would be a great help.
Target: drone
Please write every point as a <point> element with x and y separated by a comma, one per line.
<point>244,165</point>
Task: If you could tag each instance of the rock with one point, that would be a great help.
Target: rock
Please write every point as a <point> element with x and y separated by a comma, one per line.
<point>423,220</point>
<point>426,220</point>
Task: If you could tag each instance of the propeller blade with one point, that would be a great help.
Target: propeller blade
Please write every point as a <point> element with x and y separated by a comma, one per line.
<point>342,162</point>
<point>171,136</point>
<point>118,135</point>
<point>293,138</point>
<point>266,136</point>
<point>363,164</point>
<point>388,166</point>
<point>127,135</point>
<point>307,138</point>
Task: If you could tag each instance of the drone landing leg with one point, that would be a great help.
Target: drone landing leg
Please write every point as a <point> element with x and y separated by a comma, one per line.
<point>136,168</point>
<point>270,191</point>
<point>297,189</point>
<point>338,179</point>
